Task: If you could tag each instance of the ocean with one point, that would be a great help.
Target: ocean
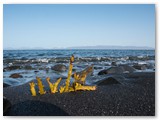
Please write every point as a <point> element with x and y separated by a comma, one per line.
<point>32,63</point>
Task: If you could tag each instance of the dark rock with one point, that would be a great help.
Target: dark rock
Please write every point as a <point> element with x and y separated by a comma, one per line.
<point>128,68</point>
<point>140,67</point>
<point>89,70</point>
<point>6,105</point>
<point>16,75</point>
<point>28,67</point>
<point>114,63</point>
<point>110,70</point>
<point>108,81</point>
<point>12,68</point>
<point>5,85</point>
<point>36,71</point>
<point>150,66</point>
<point>47,70</point>
<point>98,67</point>
<point>74,70</point>
<point>59,68</point>
<point>41,68</point>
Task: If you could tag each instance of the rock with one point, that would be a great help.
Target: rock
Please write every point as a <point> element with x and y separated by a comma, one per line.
<point>150,66</point>
<point>12,68</point>
<point>89,71</point>
<point>114,63</point>
<point>16,75</point>
<point>28,67</point>
<point>110,70</point>
<point>74,70</point>
<point>98,67</point>
<point>6,105</point>
<point>36,71</point>
<point>140,67</point>
<point>5,85</point>
<point>47,70</point>
<point>59,68</point>
<point>128,68</point>
<point>108,81</point>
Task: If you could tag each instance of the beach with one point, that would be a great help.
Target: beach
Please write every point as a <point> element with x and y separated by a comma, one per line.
<point>135,96</point>
<point>124,80</point>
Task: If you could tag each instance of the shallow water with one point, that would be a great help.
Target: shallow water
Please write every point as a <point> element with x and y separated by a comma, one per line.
<point>43,60</point>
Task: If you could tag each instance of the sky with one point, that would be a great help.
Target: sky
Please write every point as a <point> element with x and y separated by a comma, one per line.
<point>60,26</point>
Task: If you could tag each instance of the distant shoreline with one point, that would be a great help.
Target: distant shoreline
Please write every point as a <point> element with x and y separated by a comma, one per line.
<point>76,49</point>
<point>98,47</point>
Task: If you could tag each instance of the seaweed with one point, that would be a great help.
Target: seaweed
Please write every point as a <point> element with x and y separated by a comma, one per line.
<point>40,86</point>
<point>78,84</point>
<point>53,86</point>
<point>32,88</point>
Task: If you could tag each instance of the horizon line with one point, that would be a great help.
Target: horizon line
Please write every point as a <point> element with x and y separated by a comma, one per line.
<point>87,47</point>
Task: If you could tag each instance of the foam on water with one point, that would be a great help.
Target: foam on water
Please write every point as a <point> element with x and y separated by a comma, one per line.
<point>41,60</point>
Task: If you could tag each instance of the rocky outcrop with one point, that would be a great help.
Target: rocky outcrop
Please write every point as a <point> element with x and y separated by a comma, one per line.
<point>140,66</point>
<point>112,70</point>
<point>117,70</point>
<point>128,68</point>
<point>59,68</point>
<point>108,81</point>
<point>12,68</point>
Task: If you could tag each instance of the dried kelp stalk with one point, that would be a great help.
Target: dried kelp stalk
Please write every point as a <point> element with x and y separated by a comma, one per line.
<point>82,87</point>
<point>80,77</point>
<point>40,86</point>
<point>32,88</point>
<point>78,84</point>
<point>53,86</point>
<point>66,87</point>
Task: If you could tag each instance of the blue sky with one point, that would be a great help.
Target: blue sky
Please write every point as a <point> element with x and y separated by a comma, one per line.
<point>50,26</point>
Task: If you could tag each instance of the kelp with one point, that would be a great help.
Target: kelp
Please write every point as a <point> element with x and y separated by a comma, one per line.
<point>40,86</point>
<point>53,86</point>
<point>32,88</point>
<point>66,87</point>
<point>77,85</point>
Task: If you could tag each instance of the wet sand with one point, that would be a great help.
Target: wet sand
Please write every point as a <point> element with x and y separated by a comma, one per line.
<point>135,96</point>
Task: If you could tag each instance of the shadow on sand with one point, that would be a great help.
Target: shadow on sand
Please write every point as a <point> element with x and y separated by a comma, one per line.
<point>35,108</point>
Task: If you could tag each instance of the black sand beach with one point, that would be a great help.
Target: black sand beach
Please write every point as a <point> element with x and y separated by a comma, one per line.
<point>134,96</point>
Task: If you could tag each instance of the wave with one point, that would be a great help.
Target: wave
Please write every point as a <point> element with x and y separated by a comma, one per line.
<point>79,59</point>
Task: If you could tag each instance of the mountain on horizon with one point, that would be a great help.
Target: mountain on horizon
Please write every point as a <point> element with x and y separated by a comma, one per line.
<point>113,47</point>
<point>88,47</point>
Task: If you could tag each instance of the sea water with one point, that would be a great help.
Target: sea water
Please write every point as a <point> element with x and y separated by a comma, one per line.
<point>41,61</point>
